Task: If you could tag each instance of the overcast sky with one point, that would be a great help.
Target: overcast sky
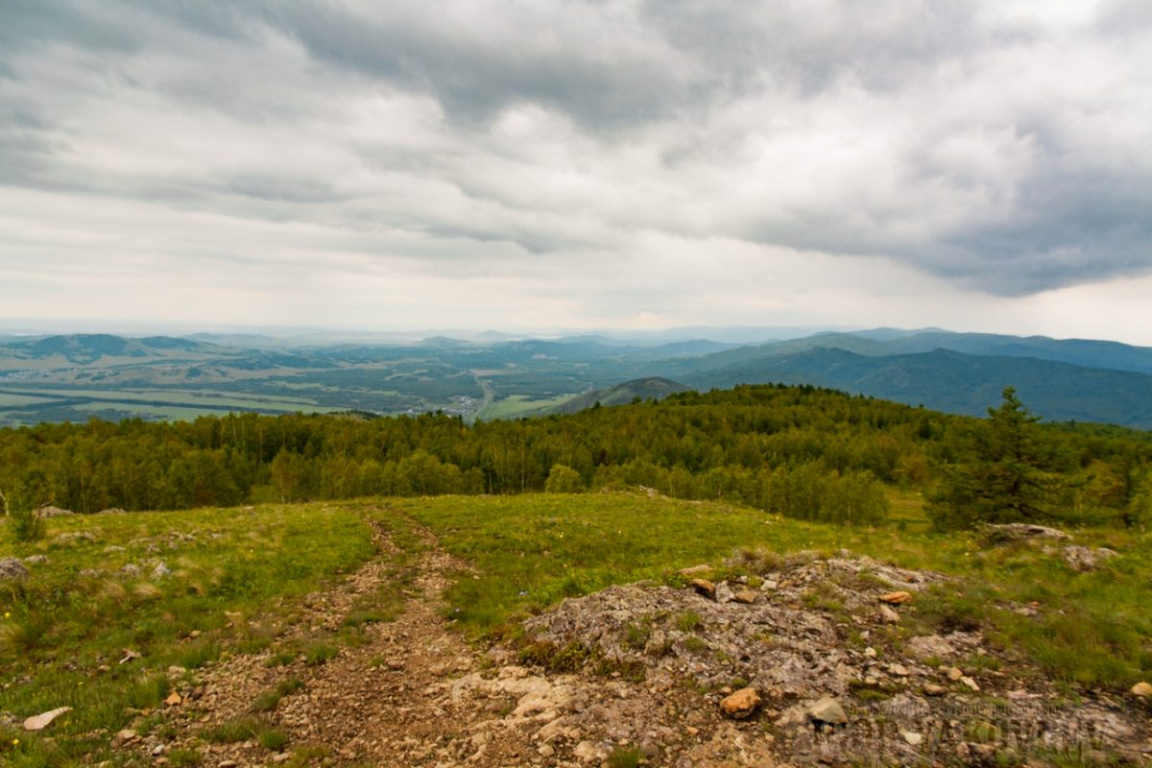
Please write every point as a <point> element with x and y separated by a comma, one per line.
<point>541,165</point>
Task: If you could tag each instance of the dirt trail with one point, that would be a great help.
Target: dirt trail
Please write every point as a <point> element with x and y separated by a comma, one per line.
<point>390,701</point>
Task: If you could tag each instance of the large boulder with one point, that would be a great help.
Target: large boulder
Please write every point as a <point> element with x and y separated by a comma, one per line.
<point>50,511</point>
<point>1009,532</point>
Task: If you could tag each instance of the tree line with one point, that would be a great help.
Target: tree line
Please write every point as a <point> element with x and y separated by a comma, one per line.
<point>801,451</point>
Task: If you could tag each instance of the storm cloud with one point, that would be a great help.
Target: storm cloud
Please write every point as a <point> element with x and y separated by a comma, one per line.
<point>981,149</point>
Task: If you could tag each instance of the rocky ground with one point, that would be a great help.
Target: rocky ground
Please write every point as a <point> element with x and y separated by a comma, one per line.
<point>806,660</point>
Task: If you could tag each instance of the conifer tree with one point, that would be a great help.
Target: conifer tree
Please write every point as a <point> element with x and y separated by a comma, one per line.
<point>1005,477</point>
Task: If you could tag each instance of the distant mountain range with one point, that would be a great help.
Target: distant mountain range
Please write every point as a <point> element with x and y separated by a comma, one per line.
<point>959,373</point>
<point>88,348</point>
<point>1060,380</point>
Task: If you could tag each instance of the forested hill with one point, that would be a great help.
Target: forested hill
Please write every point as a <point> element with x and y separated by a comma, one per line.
<point>948,381</point>
<point>802,451</point>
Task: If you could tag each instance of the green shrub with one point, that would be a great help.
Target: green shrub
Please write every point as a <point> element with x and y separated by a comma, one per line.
<point>289,686</point>
<point>688,621</point>
<point>563,479</point>
<point>232,731</point>
<point>184,758</point>
<point>624,757</point>
<point>319,653</point>
<point>273,740</point>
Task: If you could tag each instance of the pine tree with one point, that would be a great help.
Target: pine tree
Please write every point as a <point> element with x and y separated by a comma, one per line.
<point>1005,479</point>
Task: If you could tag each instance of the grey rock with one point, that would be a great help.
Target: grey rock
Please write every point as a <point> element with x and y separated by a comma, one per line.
<point>11,569</point>
<point>888,615</point>
<point>50,511</point>
<point>828,710</point>
<point>1083,559</point>
<point>1001,534</point>
<point>724,593</point>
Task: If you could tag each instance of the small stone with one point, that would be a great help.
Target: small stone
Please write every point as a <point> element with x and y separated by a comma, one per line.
<point>174,700</point>
<point>696,570</point>
<point>954,673</point>
<point>126,736</point>
<point>770,585</point>
<point>745,595</point>
<point>870,652</point>
<point>587,752</point>
<point>159,749</point>
<point>912,737</point>
<point>932,689</point>
<point>227,764</point>
<point>740,705</point>
<point>657,644</point>
<point>704,587</point>
<point>970,683</point>
<point>898,669</point>
<point>1143,690</point>
<point>888,616</point>
<point>828,710</point>
<point>896,598</point>
<point>43,720</point>
<point>282,757</point>
<point>161,570</point>
<point>545,750</point>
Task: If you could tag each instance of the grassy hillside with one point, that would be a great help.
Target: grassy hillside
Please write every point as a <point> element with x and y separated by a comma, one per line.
<point>621,394</point>
<point>114,601</point>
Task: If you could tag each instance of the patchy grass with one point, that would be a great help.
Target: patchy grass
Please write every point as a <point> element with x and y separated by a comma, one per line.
<point>63,632</point>
<point>231,582</point>
<point>1086,629</point>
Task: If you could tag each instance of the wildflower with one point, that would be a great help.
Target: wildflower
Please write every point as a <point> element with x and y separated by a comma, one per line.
<point>15,742</point>
<point>7,614</point>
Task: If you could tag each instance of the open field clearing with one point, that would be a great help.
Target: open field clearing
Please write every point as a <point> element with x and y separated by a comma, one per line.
<point>517,405</point>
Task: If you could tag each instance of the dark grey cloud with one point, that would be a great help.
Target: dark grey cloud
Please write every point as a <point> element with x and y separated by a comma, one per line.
<point>997,146</point>
<point>32,24</point>
<point>530,57</point>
